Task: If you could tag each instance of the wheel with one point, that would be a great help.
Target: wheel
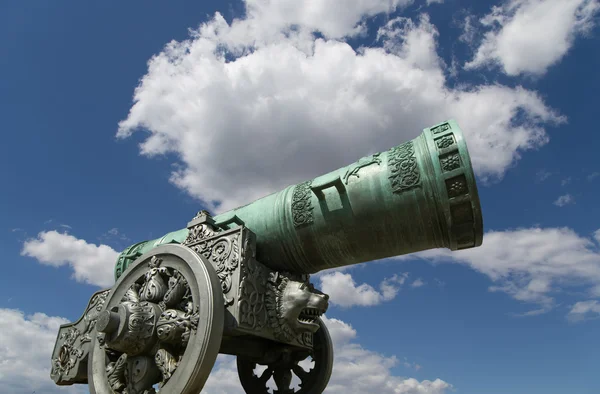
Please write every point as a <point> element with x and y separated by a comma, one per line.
<point>313,381</point>
<point>161,326</point>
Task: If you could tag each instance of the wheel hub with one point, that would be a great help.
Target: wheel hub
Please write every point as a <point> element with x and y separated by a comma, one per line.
<point>130,327</point>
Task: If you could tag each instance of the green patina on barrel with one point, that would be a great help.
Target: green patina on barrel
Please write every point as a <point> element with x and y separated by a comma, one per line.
<point>417,196</point>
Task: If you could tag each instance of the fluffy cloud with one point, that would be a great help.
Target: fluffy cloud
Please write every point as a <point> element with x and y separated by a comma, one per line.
<point>530,264</point>
<point>417,283</point>
<point>91,263</point>
<point>563,200</point>
<point>528,36</point>
<point>343,291</point>
<point>584,309</point>
<point>266,19</point>
<point>356,370</point>
<point>26,345</point>
<point>223,378</point>
<point>248,111</point>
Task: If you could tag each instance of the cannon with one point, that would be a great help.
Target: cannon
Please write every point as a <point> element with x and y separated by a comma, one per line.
<point>238,283</point>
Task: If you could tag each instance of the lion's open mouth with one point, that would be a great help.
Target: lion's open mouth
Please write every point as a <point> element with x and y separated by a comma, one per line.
<point>309,315</point>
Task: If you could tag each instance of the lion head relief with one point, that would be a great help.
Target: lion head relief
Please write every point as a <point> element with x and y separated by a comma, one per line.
<point>293,305</point>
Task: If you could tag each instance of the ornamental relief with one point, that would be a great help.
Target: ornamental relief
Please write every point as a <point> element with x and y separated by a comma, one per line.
<point>94,308</point>
<point>253,285</point>
<point>224,254</point>
<point>72,345</point>
<point>223,249</point>
<point>363,162</point>
<point>456,186</point>
<point>445,142</point>
<point>302,209</point>
<point>450,162</point>
<point>200,232</point>
<point>441,128</point>
<point>404,171</point>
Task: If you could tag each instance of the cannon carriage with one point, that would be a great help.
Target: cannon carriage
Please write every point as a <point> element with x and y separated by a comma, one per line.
<point>239,283</point>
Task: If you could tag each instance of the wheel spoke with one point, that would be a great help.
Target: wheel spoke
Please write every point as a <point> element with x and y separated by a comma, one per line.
<point>115,373</point>
<point>266,375</point>
<point>283,379</point>
<point>166,364</point>
<point>300,372</point>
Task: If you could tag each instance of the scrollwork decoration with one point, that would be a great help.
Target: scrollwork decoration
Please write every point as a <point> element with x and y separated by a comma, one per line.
<point>69,353</point>
<point>73,339</point>
<point>224,254</point>
<point>221,248</point>
<point>302,209</point>
<point>94,308</point>
<point>199,232</point>
<point>253,314</point>
<point>404,171</point>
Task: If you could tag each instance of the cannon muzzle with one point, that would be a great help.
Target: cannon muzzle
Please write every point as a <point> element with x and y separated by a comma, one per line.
<point>416,196</point>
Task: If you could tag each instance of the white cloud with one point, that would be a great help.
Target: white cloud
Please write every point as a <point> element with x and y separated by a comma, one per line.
<point>223,378</point>
<point>593,176</point>
<point>340,331</point>
<point>334,19</point>
<point>91,263</point>
<point>280,98</point>
<point>114,236</point>
<point>542,175</point>
<point>530,264</point>
<point>409,364</point>
<point>343,291</point>
<point>528,36</point>
<point>355,370</point>
<point>564,200</point>
<point>469,30</point>
<point>417,283</point>
<point>584,309</point>
<point>26,345</point>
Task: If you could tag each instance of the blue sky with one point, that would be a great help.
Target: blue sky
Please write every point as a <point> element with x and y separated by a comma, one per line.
<point>111,135</point>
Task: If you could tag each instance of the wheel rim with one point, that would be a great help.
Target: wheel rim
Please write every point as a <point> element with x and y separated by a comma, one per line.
<point>162,324</point>
<point>312,381</point>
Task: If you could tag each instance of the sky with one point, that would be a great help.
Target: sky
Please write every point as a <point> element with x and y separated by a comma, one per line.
<point>121,120</point>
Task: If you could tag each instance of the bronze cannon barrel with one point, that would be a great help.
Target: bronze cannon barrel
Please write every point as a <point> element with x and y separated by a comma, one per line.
<point>416,196</point>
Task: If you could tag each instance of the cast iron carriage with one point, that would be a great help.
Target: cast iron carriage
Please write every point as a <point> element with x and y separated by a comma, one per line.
<point>238,283</point>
